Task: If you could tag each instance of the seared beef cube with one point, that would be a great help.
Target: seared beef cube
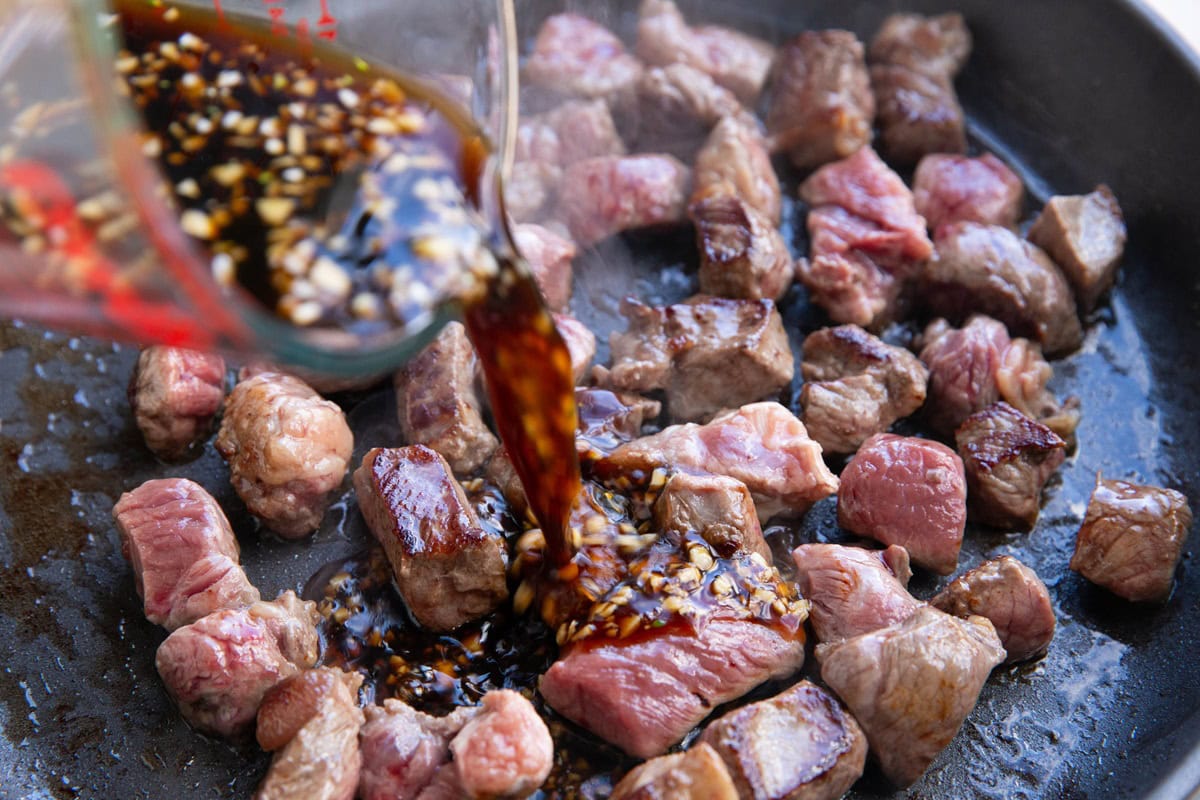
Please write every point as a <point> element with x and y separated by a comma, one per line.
<point>822,107</point>
<point>577,57</point>
<point>503,475</point>
<point>585,130</point>
<point>719,509</point>
<point>855,386</point>
<point>287,451</point>
<point>849,286</point>
<point>1085,235</point>
<point>1008,458</point>
<point>677,107</point>
<point>907,491</point>
<point>532,181</point>
<point>580,341</point>
<point>1012,597</point>
<point>950,188</point>
<point>695,774</point>
<point>914,60</point>
<point>609,419</point>
<point>183,552</point>
<point>798,745</point>
<point>438,403</point>
<point>852,590</point>
<point>1132,539</point>
<point>549,257</point>
<point>762,445</point>
<point>174,394</point>
<point>504,750</point>
<point>607,195</point>
<point>990,270</point>
<point>742,255</point>
<point>708,353</point>
<point>218,668</point>
<point>911,685</point>
<point>644,693</point>
<point>403,749</point>
<point>449,570</point>
<point>734,160</point>
<point>733,59</point>
<point>312,719</point>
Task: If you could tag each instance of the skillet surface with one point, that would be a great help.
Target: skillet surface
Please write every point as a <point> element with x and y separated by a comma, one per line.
<point>1072,92</point>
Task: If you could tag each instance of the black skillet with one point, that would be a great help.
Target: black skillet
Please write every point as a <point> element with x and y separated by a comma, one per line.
<point>1072,92</point>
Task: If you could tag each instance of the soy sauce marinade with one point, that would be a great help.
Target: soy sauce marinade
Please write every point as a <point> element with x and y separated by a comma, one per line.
<point>345,197</point>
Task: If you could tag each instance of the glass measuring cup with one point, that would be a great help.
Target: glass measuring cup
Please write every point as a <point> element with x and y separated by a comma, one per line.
<point>93,239</point>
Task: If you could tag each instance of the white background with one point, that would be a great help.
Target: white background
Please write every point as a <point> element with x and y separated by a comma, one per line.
<point>1183,14</point>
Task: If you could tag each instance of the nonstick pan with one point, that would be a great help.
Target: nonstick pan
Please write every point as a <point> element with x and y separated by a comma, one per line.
<point>1071,92</point>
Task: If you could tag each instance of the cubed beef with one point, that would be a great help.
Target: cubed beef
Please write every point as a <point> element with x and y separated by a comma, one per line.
<point>287,451</point>
<point>608,420</point>
<point>320,758</point>
<point>695,774</point>
<point>549,257</point>
<point>1008,458</point>
<point>607,195</point>
<point>735,160</point>
<point>742,255</point>
<point>855,386</point>
<point>708,354</point>
<point>911,685</point>
<point>1132,539</point>
<point>644,693</point>
<point>585,129</point>
<point>907,491</point>
<point>822,108</point>
<point>438,404</point>
<point>504,750</point>
<point>914,60</point>
<point>677,107</point>
<point>763,445</point>
<point>717,508</point>
<point>403,749</point>
<point>733,59</point>
<point>853,590</point>
<point>798,745</point>
<point>972,368</point>
<point>183,552</point>
<point>576,57</point>
<point>1012,597</point>
<point>990,270</point>
<point>174,394</point>
<point>580,341</point>
<point>449,570</point>
<point>218,668</point>
<point>1085,235</point>
<point>850,286</point>
<point>952,188</point>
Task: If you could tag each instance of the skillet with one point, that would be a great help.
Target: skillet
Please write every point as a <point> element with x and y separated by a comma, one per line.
<point>1071,92</point>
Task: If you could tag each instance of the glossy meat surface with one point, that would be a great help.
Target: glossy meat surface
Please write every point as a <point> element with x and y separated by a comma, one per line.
<point>175,394</point>
<point>1012,597</point>
<point>853,590</point>
<point>953,188</point>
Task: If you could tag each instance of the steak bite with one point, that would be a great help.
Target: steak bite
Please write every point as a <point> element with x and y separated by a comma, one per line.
<point>914,60</point>
<point>707,353</point>
<point>576,57</point>
<point>585,129</point>
<point>1008,458</point>
<point>763,445</point>
<point>549,257</point>
<point>735,161</point>
<point>287,451</point>
<point>855,386</point>
<point>742,255</point>
<point>404,749</point>
<point>1085,235</point>
<point>504,750</point>
<point>174,394</point>
<point>990,270</point>
<point>1012,597</point>
<point>822,108</point>
<point>1132,539</point>
<point>609,419</point>
<point>907,491</point>
<point>719,509</point>
<point>695,774</point>
<point>448,569</point>
<point>312,720</point>
<point>677,107</point>
<point>580,341</point>
<point>183,552</point>
<point>952,188</point>
<point>610,194</point>
<point>733,59</point>
<point>852,590</point>
<point>218,668</point>
<point>799,745</point>
<point>911,685</point>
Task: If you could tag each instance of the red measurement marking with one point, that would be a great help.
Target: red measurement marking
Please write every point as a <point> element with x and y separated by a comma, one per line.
<point>327,23</point>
